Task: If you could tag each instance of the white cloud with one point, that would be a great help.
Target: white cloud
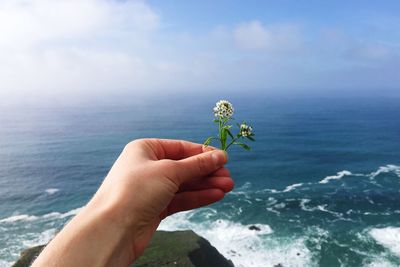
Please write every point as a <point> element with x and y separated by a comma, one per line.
<point>76,49</point>
<point>255,36</point>
<point>31,22</point>
<point>72,47</point>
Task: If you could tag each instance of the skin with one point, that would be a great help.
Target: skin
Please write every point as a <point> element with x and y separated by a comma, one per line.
<point>151,179</point>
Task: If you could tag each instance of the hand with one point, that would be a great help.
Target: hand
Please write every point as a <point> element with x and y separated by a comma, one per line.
<point>150,180</point>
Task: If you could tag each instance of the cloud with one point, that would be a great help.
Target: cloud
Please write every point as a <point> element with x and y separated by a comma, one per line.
<point>25,23</point>
<point>68,50</point>
<point>254,36</point>
<point>72,47</point>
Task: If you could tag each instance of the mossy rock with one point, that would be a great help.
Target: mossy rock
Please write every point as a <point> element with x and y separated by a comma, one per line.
<point>181,249</point>
<point>166,249</point>
<point>28,256</point>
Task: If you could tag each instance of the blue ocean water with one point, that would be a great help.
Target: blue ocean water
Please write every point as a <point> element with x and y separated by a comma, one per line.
<point>322,181</point>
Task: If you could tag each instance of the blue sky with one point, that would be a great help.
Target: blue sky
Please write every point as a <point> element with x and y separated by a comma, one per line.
<point>79,49</point>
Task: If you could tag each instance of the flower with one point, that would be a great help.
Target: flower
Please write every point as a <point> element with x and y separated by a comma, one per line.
<point>245,130</point>
<point>223,109</point>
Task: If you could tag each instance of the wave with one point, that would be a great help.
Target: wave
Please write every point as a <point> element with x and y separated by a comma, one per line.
<point>292,187</point>
<point>41,238</point>
<point>5,263</point>
<point>380,263</point>
<point>239,243</point>
<point>322,208</point>
<point>21,217</point>
<point>390,168</point>
<point>338,176</point>
<point>51,191</point>
<point>51,215</point>
<point>389,237</point>
<point>21,231</point>
<point>386,169</point>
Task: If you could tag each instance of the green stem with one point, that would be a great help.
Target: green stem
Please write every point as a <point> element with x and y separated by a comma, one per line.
<point>231,143</point>
<point>222,124</point>
<point>220,134</point>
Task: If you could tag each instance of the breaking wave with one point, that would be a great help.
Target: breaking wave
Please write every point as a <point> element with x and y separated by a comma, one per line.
<point>389,237</point>
<point>51,215</point>
<point>243,245</point>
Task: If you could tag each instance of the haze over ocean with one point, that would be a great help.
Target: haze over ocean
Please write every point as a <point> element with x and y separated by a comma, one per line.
<point>322,181</point>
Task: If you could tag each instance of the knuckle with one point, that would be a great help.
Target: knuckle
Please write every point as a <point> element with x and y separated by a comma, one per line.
<point>202,164</point>
<point>130,145</point>
<point>134,144</point>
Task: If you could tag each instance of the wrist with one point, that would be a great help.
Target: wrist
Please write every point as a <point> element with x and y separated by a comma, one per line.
<point>91,238</point>
<point>110,236</point>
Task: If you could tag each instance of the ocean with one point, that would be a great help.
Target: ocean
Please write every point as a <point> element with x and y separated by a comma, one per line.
<point>322,181</point>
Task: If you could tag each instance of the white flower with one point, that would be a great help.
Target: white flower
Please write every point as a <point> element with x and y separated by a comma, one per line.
<point>223,109</point>
<point>245,130</point>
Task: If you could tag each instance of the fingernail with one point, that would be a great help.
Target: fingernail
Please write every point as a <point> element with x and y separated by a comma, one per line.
<point>208,148</point>
<point>226,156</point>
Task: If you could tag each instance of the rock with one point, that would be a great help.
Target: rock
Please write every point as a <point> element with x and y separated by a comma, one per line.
<point>278,265</point>
<point>28,256</point>
<point>255,228</point>
<point>183,249</point>
<point>166,249</point>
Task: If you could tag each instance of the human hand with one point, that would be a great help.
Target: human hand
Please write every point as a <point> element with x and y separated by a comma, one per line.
<point>151,179</point>
<point>154,178</point>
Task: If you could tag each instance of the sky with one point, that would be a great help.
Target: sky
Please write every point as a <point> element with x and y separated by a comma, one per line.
<point>68,50</point>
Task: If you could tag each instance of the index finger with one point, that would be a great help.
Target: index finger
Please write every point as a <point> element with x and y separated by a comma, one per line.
<point>174,149</point>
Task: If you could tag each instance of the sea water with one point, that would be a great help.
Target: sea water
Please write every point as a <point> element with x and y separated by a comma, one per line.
<point>321,183</point>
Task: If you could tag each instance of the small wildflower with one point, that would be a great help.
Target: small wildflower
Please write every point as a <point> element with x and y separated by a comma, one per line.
<point>245,130</point>
<point>223,109</point>
<point>223,112</point>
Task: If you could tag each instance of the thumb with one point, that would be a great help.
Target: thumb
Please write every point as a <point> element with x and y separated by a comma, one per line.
<point>200,165</point>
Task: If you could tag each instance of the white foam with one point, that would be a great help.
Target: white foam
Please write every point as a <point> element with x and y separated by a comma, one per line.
<point>303,206</point>
<point>71,213</point>
<point>323,208</point>
<point>273,211</point>
<point>245,247</point>
<point>52,191</point>
<point>270,190</point>
<point>280,205</point>
<point>21,217</point>
<point>271,201</point>
<point>338,176</point>
<point>292,187</point>
<point>51,215</point>
<point>389,237</point>
<point>5,263</point>
<point>40,239</point>
<point>58,215</point>
<point>386,169</point>
<point>380,263</point>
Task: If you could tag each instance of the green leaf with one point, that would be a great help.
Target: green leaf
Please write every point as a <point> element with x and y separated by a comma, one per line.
<point>251,138</point>
<point>243,145</point>
<point>216,120</point>
<point>230,134</point>
<point>208,141</point>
